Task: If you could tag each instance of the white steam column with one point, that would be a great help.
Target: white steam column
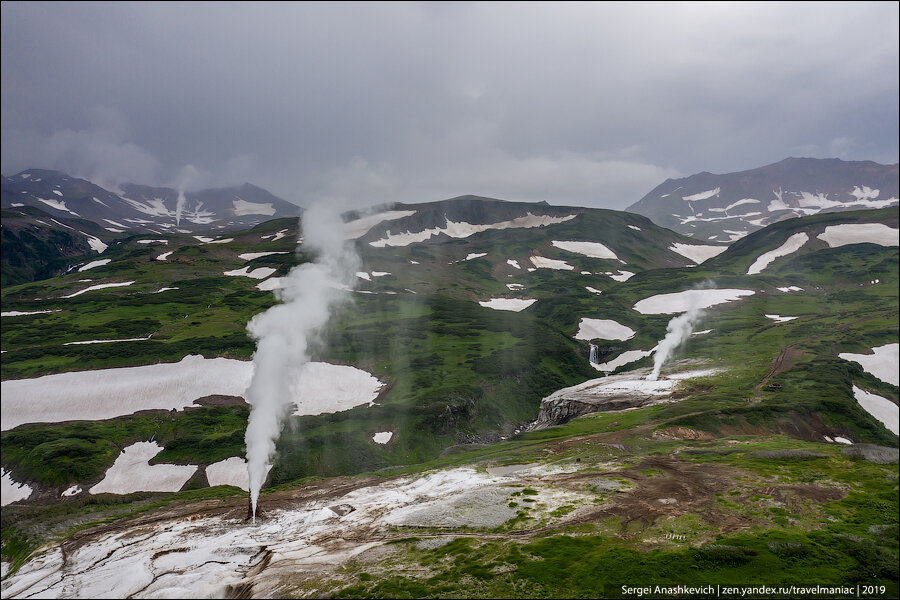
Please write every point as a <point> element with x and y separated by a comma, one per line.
<point>283,333</point>
<point>677,332</point>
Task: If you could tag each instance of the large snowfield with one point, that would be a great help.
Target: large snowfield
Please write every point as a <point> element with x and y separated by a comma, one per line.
<point>859,233</point>
<point>604,329</point>
<point>793,243</point>
<point>108,393</point>
<point>664,304</point>
<point>464,230</point>
<point>513,304</point>
<point>882,363</point>
<point>132,472</point>
<point>879,407</point>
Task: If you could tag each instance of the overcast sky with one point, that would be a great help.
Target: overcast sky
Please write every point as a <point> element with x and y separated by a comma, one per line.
<point>586,104</point>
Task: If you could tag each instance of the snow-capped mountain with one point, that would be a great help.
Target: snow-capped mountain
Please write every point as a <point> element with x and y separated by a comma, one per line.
<point>142,209</point>
<point>727,207</point>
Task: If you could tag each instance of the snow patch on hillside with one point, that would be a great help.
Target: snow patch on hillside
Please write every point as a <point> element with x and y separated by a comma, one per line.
<point>512,304</point>
<point>879,407</point>
<point>627,357</point>
<point>326,388</point>
<point>96,263</point>
<point>275,236</point>
<point>231,471</point>
<point>735,204</point>
<point>549,263</point>
<point>604,329</point>
<point>882,363</point>
<point>271,284</point>
<point>860,233</point>
<point>243,208</point>
<point>10,490</point>
<point>678,302</point>
<point>99,286</point>
<point>18,313</point>
<point>592,249</point>
<point>257,273</point>
<point>360,227</point>
<point>463,229</point>
<point>253,255</point>
<point>382,437</point>
<point>702,195</point>
<point>132,472</point>
<point>791,245</point>
<point>780,319</point>
<point>107,393</point>
<point>697,253</point>
<point>59,205</point>
<point>164,255</point>
<point>864,193</point>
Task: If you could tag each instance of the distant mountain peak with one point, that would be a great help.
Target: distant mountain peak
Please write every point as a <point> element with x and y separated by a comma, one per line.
<point>727,207</point>
<point>141,208</point>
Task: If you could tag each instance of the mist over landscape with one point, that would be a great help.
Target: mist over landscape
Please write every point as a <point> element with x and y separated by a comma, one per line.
<point>416,300</point>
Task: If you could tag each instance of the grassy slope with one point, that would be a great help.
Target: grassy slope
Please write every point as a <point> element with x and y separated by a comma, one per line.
<point>461,373</point>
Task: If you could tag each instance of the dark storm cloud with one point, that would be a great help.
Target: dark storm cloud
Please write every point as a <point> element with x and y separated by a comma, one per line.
<point>585,104</point>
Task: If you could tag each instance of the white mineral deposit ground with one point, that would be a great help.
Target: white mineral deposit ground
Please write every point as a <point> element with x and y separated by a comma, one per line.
<point>678,302</point>
<point>10,490</point>
<point>108,393</point>
<point>857,233</point>
<point>513,304</point>
<point>793,243</point>
<point>132,473</point>
<point>604,329</point>
<point>592,249</point>
<point>879,407</point>
<point>630,383</point>
<point>697,253</point>
<point>882,363</point>
<point>199,557</point>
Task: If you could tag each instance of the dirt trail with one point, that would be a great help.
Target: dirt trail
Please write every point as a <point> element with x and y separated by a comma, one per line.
<point>784,361</point>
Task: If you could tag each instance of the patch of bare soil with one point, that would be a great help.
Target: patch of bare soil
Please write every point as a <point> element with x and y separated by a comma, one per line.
<point>784,361</point>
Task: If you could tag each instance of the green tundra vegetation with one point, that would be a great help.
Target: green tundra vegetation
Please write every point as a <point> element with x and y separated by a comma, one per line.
<point>462,379</point>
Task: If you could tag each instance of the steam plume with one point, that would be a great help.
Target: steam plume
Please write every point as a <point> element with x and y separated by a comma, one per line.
<point>677,331</point>
<point>284,332</point>
<point>179,206</point>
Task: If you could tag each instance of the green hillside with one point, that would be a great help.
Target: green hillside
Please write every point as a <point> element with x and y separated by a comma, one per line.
<point>464,380</point>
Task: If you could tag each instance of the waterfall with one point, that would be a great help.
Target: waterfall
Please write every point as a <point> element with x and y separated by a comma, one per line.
<point>593,358</point>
